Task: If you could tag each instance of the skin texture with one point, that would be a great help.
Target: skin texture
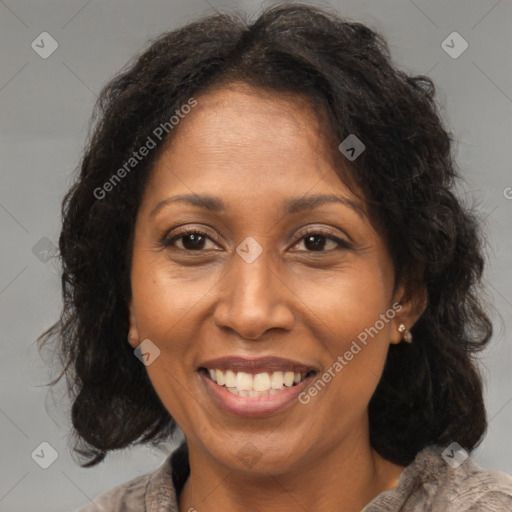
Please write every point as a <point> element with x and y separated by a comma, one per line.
<point>255,151</point>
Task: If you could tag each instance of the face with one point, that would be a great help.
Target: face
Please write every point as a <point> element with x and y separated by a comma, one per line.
<point>251,284</point>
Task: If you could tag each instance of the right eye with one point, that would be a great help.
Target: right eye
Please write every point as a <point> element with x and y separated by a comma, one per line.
<point>190,240</point>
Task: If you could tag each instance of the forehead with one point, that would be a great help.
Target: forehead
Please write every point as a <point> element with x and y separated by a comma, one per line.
<point>242,142</point>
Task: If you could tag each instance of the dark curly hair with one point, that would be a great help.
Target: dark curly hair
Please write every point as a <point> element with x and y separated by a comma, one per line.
<point>430,391</point>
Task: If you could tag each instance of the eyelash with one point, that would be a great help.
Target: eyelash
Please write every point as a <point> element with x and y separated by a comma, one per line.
<point>168,241</point>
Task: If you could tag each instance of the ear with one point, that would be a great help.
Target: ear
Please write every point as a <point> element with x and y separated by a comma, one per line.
<point>133,331</point>
<point>412,298</point>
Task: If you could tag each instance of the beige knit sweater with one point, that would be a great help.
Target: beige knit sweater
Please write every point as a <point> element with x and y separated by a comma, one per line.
<point>428,484</point>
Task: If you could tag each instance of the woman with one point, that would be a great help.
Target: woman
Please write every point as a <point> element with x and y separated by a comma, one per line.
<point>263,248</point>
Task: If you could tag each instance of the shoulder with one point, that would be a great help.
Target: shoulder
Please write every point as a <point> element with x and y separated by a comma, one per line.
<point>152,491</point>
<point>126,497</point>
<point>461,484</point>
<point>442,480</point>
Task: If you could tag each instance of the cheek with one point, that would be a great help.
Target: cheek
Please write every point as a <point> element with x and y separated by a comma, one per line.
<point>352,315</point>
<point>165,301</point>
<point>164,306</point>
<point>170,309</point>
<point>346,302</point>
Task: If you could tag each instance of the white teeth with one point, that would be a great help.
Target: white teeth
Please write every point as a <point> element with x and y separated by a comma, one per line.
<point>277,380</point>
<point>220,378</point>
<point>288,379</point>
<point>243,381</point>
<point>236,392</point>
<point>230,379</point>
<point>261,382</point>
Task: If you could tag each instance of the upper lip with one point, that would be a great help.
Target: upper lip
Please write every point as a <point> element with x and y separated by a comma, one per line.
<point>256,365</point>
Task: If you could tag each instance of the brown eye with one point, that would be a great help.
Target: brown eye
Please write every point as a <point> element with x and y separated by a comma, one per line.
<point>315,242</point>
<point>190,241</point>
<point>319,242</point>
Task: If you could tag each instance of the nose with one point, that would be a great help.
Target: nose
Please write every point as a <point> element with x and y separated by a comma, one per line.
<point>253,298</point>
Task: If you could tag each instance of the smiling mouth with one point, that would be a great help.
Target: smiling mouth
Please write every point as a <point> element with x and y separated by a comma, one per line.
<point>255,384</point>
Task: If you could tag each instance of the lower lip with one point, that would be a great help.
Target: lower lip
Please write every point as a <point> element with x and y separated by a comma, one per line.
<point>253,405</point>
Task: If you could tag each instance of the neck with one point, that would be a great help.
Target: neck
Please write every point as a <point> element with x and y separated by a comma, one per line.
<point>345,479</point>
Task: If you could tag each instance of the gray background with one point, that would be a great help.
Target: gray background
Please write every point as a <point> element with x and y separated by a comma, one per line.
<point>45,107</point>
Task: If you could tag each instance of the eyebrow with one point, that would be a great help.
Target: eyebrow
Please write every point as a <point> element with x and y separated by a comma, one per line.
<point>290,207</point>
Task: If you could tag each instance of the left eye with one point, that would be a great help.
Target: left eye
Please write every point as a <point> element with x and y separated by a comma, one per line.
<point>317,242</point>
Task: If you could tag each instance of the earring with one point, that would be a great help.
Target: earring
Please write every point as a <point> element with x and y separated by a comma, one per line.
<point>407,334</point>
